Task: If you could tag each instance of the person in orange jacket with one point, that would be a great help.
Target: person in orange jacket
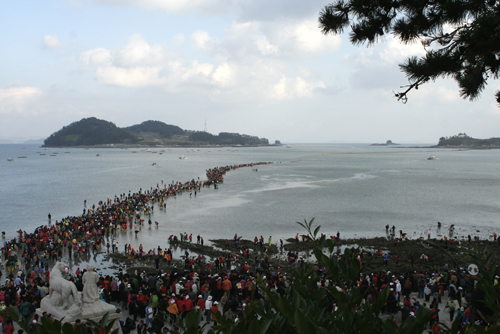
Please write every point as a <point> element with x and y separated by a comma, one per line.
<point>172,310</point>
<point>227,286</point>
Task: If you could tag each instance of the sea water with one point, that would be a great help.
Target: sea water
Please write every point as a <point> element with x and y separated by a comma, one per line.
<point>354,189</point>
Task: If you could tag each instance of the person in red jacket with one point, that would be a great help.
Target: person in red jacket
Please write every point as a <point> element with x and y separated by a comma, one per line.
<point>181,307</point>
<point>201,303</point>
<point>142,300</point>
<point>188,305</point>
<point>8,328</point>
<point>215,310</point>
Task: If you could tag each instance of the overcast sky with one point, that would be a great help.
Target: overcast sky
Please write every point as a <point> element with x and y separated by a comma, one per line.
<point>254,67</point>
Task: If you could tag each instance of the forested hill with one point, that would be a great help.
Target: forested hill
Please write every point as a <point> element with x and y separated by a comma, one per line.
<point>463,140</point>
<point>162,129</point>
<point>225,138</point>
<point>88,132</point>
<point>92,131</point>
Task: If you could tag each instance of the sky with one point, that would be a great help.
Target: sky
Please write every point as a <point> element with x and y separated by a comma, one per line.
<point>255,67</point>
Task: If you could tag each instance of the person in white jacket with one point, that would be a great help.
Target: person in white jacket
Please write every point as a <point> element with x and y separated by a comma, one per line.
<point>208,307</point>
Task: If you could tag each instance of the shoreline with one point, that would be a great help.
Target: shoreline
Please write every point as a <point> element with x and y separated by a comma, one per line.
<point>457,147</point>
<point>109,263</point>
<point>400,253</point>
<point>126,146</point>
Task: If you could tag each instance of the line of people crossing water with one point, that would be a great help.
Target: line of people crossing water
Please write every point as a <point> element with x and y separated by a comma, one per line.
<point>80,235</point>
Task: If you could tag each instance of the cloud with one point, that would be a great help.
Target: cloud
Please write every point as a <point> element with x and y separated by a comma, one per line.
<point>175,6</point>
<point>51,42</point>
<point>97,56</point>
<point>249,60</point>
<point>129,77</point>
<point>202,40</point>
<point>377,67</point>
<point>223,75</point>
<point>446,95</point>
<point>395,52</point>
<point>210,46</point>
<point>308,38</point>
<point>441,92</point>
<point>288,88</point>
<point>15,99</point>
<point>265,47</point>
<point>390,52</point>
<point>285,39</point>
<point>179,39</point>
<point>244,10</point>
<point>138,52</point>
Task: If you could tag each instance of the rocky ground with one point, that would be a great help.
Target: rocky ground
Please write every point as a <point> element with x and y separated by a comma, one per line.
<point>463,252</point>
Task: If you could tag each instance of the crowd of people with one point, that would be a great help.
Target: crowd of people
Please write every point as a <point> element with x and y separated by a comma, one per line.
<point>175,292</point>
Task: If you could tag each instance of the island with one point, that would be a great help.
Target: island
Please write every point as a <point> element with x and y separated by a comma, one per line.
<point>387,143</point>
<point>97,132</point>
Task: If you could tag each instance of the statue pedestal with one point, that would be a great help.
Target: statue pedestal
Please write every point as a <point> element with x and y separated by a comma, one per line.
<point>94,311</point>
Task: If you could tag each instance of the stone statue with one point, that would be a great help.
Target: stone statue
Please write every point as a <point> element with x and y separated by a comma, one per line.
<point>63,294</point>
<point>90,292</point>
<point>65,303</point>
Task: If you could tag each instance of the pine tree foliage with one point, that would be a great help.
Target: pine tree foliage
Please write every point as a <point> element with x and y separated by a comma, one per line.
<point>461,37</point>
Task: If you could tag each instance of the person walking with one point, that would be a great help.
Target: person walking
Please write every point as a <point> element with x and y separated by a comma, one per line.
<point>451,307</point>
<point>227,286</point>
<point>172,310</point>
<point>149,315</point>
<point>208,308</point>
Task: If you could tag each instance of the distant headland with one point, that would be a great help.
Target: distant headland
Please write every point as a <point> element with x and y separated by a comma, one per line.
<point>96,132</point>
<point>462,140</point>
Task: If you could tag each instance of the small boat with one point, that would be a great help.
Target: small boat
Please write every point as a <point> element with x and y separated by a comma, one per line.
<point>154,164</point>
<point>182,157</point>
<point>98,155</point>
<point>432,157</point>
<point>10,159</point>
<point>53,155</point>
<point>288,146</point>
